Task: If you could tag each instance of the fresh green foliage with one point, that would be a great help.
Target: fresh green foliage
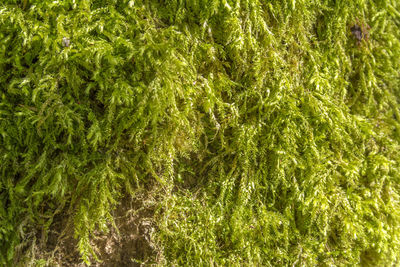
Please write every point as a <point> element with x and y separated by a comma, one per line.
<point>272,133</point>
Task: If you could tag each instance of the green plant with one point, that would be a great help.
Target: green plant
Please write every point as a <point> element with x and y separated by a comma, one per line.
<point>272,132</point>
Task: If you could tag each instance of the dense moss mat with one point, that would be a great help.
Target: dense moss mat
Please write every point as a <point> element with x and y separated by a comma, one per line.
<point>271,128</point>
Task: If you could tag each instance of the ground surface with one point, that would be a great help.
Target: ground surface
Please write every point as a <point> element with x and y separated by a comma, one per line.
<point>129,246</point>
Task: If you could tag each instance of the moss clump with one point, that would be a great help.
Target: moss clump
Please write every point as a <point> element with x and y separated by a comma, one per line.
<point>271,127</point>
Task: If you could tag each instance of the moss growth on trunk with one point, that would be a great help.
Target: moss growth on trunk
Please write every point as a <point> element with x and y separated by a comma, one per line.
<point>270,128</point>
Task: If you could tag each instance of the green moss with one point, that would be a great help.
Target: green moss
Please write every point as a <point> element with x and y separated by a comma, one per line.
<point>272,132</point>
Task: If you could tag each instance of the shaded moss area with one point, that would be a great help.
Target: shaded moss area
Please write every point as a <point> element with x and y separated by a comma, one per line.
<point>270,129</point>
